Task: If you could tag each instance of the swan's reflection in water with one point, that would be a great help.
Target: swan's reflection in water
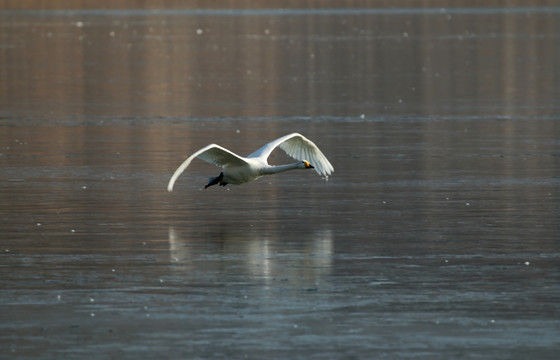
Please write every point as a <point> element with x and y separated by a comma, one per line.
<point>296,257</point>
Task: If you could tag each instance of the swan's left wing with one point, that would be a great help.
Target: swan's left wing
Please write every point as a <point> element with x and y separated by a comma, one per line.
<point>213,154</point>
<point>300,148</point>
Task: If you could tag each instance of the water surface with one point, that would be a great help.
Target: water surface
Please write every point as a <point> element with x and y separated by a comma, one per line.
<point>436,237</point>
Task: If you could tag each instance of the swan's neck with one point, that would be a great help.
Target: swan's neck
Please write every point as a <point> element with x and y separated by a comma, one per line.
<point>275,169</point>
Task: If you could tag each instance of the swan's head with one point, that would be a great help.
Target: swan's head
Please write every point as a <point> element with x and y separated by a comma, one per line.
<point>304,164</point>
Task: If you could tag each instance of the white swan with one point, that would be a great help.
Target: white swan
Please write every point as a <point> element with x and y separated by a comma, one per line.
<point>240,170</point>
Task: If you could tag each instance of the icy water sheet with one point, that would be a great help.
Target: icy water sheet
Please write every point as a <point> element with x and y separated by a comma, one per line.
<point>437,237</point>
<point>415,248</point>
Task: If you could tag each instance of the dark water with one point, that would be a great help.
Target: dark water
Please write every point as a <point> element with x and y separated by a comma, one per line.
<point>437,237</point>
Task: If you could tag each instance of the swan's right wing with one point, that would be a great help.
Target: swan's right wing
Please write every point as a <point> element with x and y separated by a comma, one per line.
<point>300,148</point>
<point>213,154</point>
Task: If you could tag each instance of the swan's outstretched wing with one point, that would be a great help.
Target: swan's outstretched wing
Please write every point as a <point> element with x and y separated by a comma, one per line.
<point>300,148</point>
<point>214,154</point>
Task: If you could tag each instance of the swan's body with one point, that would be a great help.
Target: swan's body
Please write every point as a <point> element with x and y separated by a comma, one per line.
<point>240,170</point>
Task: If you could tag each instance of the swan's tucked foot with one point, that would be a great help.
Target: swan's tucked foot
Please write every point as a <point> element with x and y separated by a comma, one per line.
<point>216,180</point>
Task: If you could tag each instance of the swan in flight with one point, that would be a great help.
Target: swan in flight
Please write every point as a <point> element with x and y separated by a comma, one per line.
<point>240,170</point>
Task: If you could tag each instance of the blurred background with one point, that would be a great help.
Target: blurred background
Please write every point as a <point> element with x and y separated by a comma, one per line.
<point>252,58</point>
<point>437,236</point>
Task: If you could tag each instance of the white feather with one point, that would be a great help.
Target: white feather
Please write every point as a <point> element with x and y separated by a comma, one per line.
<point>239,170</point>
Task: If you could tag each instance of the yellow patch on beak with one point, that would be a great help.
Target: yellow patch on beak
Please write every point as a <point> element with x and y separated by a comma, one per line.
<point>308,165</point>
